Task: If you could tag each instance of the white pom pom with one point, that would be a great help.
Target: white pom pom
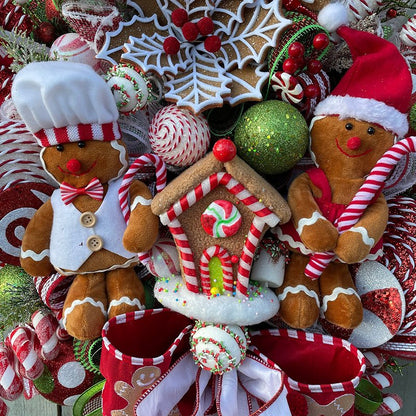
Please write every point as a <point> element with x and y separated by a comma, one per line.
<point>333,16</point>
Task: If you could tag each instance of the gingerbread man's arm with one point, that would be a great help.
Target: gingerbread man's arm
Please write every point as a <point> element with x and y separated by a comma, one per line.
<point>34,257</point>
<point>315,231</point>
<point>143,225</point>
<point>355,244</point>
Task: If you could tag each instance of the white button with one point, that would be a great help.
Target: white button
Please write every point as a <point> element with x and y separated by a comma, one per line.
<point>88,219</point>
<point>94,243</point>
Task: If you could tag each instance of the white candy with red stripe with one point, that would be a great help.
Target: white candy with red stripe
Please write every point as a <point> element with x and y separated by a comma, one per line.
<point>408,32</point>
<point>359,9</point>
<point>22,342</point>
<point>373,183</point>
<point>11,386</point>
<point>45,326</point>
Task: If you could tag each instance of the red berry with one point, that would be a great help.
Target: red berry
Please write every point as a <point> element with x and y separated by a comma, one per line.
<point>234,259</point>
<point>205,26</point>
<point>290,65</point>
<point>224,150</point>
<point>179,17</point>
<point>314,66</point>
<point>171,45</point>
<point>212,43</point>
<point>311,91</point>
<point>320,41</point>
<point>190,31</point>
<point>392,13</point>
<point>295,50</point>
<point>291,4</point>
<point>46,32</point>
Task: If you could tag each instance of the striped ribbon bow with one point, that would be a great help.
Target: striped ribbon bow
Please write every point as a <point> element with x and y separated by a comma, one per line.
<point>94,189</point>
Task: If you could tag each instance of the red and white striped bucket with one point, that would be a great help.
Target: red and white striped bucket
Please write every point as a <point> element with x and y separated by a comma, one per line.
<point>321,371</point>
<point>137,351</point>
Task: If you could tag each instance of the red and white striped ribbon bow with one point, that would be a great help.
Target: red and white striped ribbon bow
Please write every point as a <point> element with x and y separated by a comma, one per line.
<point>94,189</point>
<point>371,186</point>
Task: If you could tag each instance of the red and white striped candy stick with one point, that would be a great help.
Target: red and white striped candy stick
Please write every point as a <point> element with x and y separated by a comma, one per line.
<point>22,342</point>
<point>373,184</point>
<point>123,193</point>
<point>45,328</point>
<point>11,386</point>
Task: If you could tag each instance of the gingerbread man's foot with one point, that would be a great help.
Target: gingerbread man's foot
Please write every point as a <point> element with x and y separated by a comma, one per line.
<point>298,296</point>
<point>341,304</point>
<point>125,292</point>
<point>85,307</point>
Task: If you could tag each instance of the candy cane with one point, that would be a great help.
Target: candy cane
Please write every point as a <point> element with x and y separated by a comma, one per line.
<point>11,386</point>
<point>371,186</point>
<point>45,328</point>
<point>22,342</point>
<point>143,160</point>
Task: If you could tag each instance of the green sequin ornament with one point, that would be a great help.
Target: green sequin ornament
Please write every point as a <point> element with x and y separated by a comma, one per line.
<point>271,136</point>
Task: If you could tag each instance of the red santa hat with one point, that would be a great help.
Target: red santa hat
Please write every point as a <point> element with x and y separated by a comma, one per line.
<point>376,88</point>
<point>62,102</point>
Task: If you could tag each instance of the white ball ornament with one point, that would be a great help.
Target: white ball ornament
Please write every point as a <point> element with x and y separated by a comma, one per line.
<point>73,48</point>
<point>218,348</point>
<point>178,136</point>
<point>164,259</point>
<point>131,88</point>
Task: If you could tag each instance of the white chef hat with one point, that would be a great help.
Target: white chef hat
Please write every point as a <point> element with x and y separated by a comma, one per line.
<point>62,102</point>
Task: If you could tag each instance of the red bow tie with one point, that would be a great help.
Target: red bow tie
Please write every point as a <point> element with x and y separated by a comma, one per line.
<point>94,189</point>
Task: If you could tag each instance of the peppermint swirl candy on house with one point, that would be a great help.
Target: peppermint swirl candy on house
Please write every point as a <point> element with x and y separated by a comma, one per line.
<point>178,136</point>
<point>408,32</point>
<point>130,87</point>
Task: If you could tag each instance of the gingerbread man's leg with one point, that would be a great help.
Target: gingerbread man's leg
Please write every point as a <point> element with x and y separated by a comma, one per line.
<point>299,295</point>
<point>85,307</point>
<point>125,292</point>
<point>341,305</point>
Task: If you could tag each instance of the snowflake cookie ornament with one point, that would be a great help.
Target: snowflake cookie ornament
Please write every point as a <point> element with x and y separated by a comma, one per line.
<point>209,52</point>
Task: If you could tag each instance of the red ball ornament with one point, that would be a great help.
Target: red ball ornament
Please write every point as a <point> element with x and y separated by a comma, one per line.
<point>314,66</point>
<point>296,50</point>
<point>320,41</point>
<point>179,17</point>
<point>311,91</point>
<point>205,26</point>
<point>290,65</point>
<point>171,45</point>
<point>224,150</point>
<point>46,32</point>
<point>190,31</point>
<point>212,43</point>
<point>234,259</point>
<point>291,4</point>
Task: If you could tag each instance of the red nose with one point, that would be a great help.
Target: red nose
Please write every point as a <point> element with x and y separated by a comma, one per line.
<point>354,143</point>
<point>73,165</point>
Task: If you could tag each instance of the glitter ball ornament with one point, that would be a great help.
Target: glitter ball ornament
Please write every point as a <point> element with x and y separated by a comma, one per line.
<point>179,137</point>
<point>271,137</point>
<point>218,348</point>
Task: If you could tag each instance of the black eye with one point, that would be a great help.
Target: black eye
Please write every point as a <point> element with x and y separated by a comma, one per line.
<point>60,147</point>
<point>371,130</point>
<point>81,145</point>
<point>349,126</point>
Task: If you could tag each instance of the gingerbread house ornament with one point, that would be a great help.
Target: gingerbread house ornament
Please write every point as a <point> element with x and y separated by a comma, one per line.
<point>217,211</point>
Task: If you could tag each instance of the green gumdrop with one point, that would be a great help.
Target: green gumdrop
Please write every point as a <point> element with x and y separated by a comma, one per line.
<point>271,136</point>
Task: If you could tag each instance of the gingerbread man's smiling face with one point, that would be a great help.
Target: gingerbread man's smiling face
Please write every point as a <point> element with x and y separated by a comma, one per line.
<point>348,148</point>
<point>77,163</point>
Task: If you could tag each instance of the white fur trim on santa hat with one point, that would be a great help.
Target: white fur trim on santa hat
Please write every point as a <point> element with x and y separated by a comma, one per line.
<point>333,16</point>
<point>364,109</point>
<point>56,94</point>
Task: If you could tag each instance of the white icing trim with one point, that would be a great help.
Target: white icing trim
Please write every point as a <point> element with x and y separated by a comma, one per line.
<point>365,109</point>
<point>78,302</point>
<point>34,256</point>
<point>122,157</point>
<point>297,289</point>
<point>364,235</point>
<point>292,243</point>
<point>140,200</point>
<point>128,263</point>
<point>335,293</point>
<point>309,221</point>
<point>128,301</point>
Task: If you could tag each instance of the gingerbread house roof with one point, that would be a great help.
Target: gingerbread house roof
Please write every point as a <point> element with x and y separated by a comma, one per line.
<point>238,169</point>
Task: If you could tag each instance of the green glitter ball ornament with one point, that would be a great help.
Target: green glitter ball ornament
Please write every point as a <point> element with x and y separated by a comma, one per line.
<point>271,136</point>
